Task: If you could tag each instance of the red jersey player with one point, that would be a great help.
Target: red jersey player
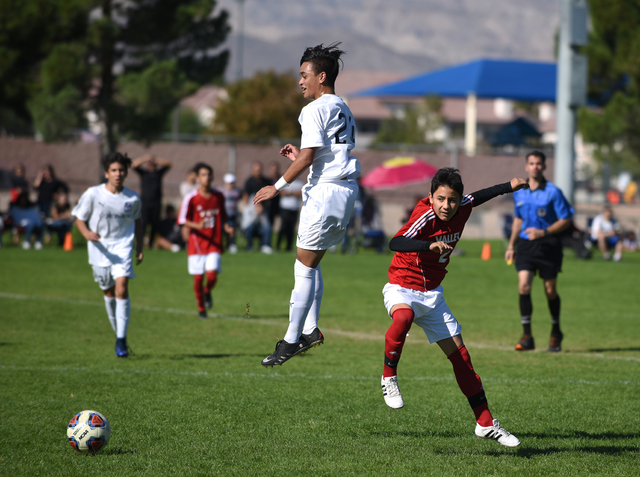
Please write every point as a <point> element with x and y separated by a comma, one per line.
<point>423,247</point>
<point>203,213</point>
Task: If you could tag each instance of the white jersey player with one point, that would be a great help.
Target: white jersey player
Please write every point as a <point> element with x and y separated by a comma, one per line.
<point>328,136</point>
<point>108,216</point>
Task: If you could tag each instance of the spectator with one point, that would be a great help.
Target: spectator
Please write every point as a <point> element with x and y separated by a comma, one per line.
<point>605,232</point>
<point>290,202</point>
<point>61,219</point>
<point>630,242</point>
<point>188,185</point>
<point>26,215</point>
<point>273,207</point>
<point>169,236</point>
<point>232,195</point>
<point>151,170</point>
<point>47,184</point>
<point>255,219</point>
<point>19,182</point>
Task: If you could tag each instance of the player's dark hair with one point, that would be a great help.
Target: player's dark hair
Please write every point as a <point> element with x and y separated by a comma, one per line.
<point>538,154</point>
<point>202,165</point>
<point>118,157</point>
<point>450,177</point>
<point>324,58</point>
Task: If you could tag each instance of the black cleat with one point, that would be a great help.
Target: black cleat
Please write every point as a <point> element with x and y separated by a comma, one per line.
<point>203,314</point>
<point>208,301</point>
<point>315,338</point>
<point>554,343</point>
<point>525,343</point>
<point>284,352</point>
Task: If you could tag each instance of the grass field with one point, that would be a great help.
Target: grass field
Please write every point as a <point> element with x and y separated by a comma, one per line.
<point>193,399</point>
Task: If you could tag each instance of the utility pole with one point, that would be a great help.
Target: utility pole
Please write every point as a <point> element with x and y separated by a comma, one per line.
<point>240,40</point>
<point>571,91</point>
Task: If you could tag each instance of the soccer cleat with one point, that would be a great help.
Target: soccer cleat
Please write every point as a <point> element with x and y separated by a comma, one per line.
<point>525,343</point>
<point>38,246</point>
<point>315,338</point>
<point>121,348</point>
<point>497,433</point>
<point>284,351</point>
<point>203,314</point>
<point>208,301</point>
<point>554,343</point>
<point>391,392</point>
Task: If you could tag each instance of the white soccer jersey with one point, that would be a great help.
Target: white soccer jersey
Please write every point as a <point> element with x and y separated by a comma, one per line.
<point>112,216</point>
<point>327,124</point>
<point>600,224</point>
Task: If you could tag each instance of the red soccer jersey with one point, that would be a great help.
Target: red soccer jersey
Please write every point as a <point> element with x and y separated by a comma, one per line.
<point>195,208</point>
<point>424,271</point>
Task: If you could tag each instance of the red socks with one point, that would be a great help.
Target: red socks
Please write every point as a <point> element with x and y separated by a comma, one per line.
<point>471,385</point>
<point>212,277</point>
<point>394,340</point>
<point>198,289</point>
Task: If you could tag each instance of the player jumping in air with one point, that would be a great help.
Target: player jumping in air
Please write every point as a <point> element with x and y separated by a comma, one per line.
<point>414,294</point>
<point>328,136</point>
<point>203,213</point>
<point>108,216</point>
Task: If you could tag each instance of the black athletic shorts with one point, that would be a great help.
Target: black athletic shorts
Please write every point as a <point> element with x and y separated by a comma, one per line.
<point>543,256</point>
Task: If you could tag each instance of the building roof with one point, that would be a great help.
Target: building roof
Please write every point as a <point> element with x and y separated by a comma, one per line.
<point>512,79</point>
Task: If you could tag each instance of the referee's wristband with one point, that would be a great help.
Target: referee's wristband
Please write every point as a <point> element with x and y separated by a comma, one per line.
<point>281,184</point>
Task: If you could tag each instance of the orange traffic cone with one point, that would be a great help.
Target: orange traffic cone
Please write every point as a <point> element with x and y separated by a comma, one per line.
<point>68,242</point>
<point>486,251</point>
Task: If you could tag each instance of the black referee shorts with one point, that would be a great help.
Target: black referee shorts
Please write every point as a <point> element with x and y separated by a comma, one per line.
<point>543,256</point>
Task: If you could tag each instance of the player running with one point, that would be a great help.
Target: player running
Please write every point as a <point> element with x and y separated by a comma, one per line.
<point>414,293</point>
<point>328,136</point>
<point>203,213</point>
<point>108,216</point>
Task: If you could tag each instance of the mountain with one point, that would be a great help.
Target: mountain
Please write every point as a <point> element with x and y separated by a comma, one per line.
<point>406,36</point>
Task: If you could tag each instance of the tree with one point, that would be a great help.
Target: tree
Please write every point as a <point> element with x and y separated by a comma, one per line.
<point>265,106</point>
<point>130,61</point>
<point>614,83</point>
<point>417,125</point>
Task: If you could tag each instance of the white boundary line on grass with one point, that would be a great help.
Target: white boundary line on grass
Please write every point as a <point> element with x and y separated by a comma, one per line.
<point>275,374</point>
<point>348,334</point>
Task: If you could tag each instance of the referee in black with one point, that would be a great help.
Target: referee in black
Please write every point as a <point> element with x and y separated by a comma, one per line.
<point>541,214</point>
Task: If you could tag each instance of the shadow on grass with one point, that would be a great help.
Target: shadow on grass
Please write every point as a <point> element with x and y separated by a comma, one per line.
<point>530,452</point>
<point>602,350</point>
<point>118,451</point>
<point>213,356</point>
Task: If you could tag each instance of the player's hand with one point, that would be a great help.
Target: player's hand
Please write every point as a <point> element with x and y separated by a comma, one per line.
<point>517,184</point>
<point>534,233</point>
<point>139,258</point>
<point>199,225</point>
<point>92,236</point>
<point>266,193</point>
<point>509,256</point>
<point>440,247</point>
<point>230,230</point>
<point>290,152</point>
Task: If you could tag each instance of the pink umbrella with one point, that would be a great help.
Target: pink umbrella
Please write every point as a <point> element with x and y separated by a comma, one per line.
<point>397,172</point>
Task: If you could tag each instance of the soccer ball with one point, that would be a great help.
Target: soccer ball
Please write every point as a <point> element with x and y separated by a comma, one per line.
<point>88,431</point>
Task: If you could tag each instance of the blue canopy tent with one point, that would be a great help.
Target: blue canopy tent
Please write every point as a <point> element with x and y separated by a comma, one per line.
<point>484,78</point>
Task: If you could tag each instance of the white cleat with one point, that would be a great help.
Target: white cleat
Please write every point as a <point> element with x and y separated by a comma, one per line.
<point>391,392</point>
<point>497,433</point>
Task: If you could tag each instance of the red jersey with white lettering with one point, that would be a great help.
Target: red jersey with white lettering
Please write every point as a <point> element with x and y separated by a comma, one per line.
<point>195,208</point>
<point>425,271</point>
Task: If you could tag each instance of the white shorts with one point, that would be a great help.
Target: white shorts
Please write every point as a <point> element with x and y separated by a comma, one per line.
<point>431,311</point>
<point>199,264</point>
<point>106,276</point>
<point>326,211</point>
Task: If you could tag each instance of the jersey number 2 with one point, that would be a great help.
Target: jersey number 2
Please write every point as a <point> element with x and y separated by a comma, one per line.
<point>444,256</point>
<point>343,129</point>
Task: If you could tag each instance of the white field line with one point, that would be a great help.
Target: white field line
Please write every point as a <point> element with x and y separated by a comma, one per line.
<point>277,375</point>
<point>356,335</point>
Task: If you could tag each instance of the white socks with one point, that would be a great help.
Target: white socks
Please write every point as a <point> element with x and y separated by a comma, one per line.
<point>303,297</point>
<point>123,311</point>
<point>110,304</point>
<point>311,323</point>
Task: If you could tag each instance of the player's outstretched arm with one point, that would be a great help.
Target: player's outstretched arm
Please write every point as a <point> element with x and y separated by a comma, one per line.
<point>86,233</point>
<point>483,195</point>
<point>408,245</point>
